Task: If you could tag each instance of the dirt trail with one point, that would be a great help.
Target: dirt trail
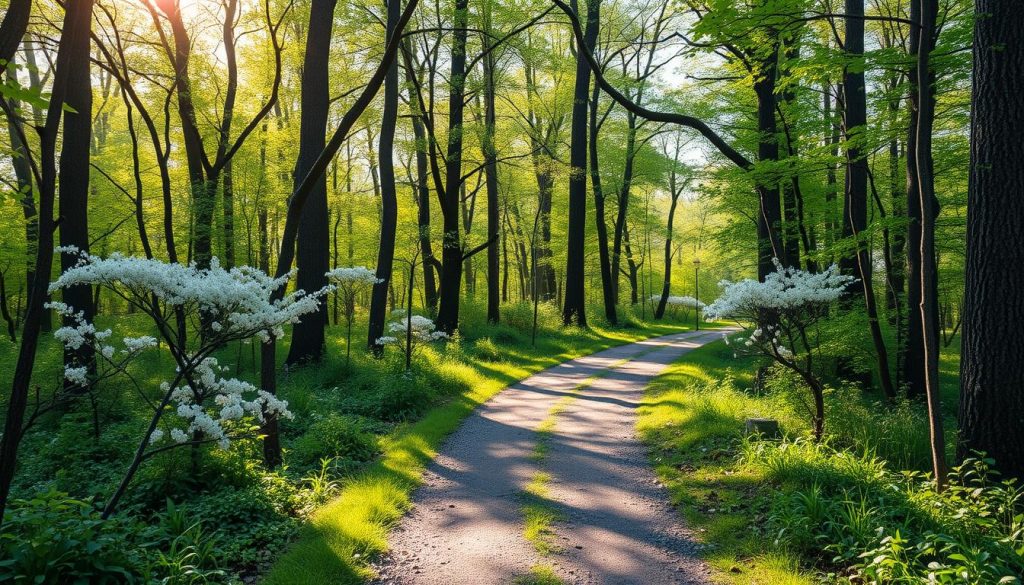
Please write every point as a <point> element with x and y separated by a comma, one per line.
<point>466,525</point>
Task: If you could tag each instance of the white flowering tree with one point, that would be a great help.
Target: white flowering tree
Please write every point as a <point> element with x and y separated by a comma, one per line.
<point>409,333</point>
<point>349,282</point>
<point>781,314</point>
<point>195,311</point>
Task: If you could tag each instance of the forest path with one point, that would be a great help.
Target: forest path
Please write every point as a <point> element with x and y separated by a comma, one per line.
<point>614,520</point>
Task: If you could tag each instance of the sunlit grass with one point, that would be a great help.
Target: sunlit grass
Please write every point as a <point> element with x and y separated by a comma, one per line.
<point>539,575</point>
<point>690,419</point>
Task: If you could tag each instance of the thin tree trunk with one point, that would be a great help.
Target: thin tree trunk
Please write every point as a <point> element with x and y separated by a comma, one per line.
<point>607,281</point>
<point>491,175</point>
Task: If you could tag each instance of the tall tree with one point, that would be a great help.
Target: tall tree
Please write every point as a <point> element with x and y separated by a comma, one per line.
<point>574,307</point>
<point>312,254</point>
<point>76,25</point>
<point>490,166</point>
<point>73,182</point>
<point>991,379</point>
<point>920,180</point>
<point>855,199</point>
<point>388,191</point>
<point>451,245</point>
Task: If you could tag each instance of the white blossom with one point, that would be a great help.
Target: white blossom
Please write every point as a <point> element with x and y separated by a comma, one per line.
<point>77,374</point>
<point>354,275</point>
<point>137,344</point>
<point>784,289</point>
<point>179,436</point>
<point>156,436</point>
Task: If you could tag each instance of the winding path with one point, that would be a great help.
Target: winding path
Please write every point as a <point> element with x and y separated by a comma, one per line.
<point>617,526</point>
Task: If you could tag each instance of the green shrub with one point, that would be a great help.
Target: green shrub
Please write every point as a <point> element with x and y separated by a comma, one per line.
<point>486,350</point>
<point>336,436</point>
<point>519,316</point>
<point>52,538</point>
<point>396,398</point>
<point>847,510</point>
<point>252,523</point>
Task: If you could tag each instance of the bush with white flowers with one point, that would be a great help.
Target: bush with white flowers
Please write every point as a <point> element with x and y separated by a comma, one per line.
<point>417,329</point>
<point>349,283</point>
<point>781,314</point>
<point>196,311</point>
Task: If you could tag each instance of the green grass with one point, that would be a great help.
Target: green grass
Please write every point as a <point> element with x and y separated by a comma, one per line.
<point>691,430</point>
<point>339,539</point>
<point>539,514</point>
<point>692,419</point>
<point>539,575</point>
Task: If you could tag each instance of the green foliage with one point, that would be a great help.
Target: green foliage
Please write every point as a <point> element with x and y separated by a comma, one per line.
<point>780,511</point>
<point>850,511</point>
<point>519,316</point>
<point>335,436</point>
<point>52,538</point>
<point>396,398</point>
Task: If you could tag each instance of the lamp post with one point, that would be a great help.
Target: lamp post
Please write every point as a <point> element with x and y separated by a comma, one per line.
<point>696,293</point>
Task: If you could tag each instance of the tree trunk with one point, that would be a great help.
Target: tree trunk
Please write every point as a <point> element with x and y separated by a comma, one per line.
<point>769,218</point>
<point>574,306</point>
<point>623,210</point>
<point>423,199</point>
<point>675,190</point>
<point>76,25</point>
<point>313,250</point>
<point>991,379</point>
<point>607,280</point>
<point>73,181</point>
<point>451,251</point>
<point>389,194</point>
<point>491,176</point>
<point>919,178</point>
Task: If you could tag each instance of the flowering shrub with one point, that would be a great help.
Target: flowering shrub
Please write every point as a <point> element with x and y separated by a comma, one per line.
<point>779,313</point>
<point>349,282</point>
<point>217,305</point>
<point>411,332</point>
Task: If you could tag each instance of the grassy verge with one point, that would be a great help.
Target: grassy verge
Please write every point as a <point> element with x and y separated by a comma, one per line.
<point>798,513</point>
<point>339,538</point>
<point>692,435</point>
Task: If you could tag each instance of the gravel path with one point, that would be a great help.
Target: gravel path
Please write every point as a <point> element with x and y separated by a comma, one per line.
<point>466,525</point>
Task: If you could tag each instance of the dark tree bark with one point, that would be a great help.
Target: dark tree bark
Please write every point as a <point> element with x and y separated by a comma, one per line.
<point>574,306</point>
<point>607,280</point>
<point>73,180</point>
<point>919,179</point>
<point>451,246</point>
<point>13,28</point>
<point>675,189</point>
<point>855,199</point>
<point>491,173</point>
<point>388,193</point>
<point>422,189</point>
<point>991,379</point>
<point>76,25</point>
<point>313,250</point>
<point>623,201</point>
<point>769,218</point>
